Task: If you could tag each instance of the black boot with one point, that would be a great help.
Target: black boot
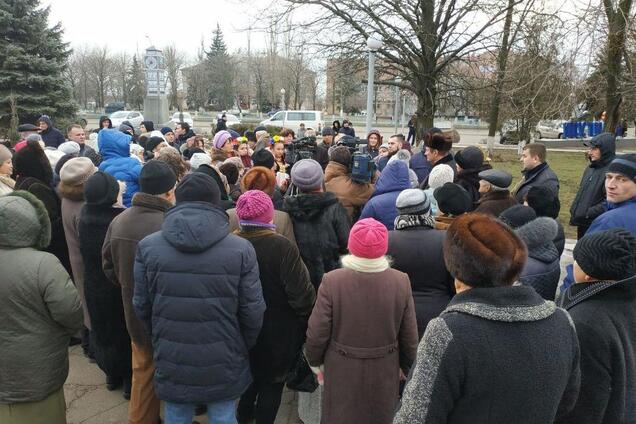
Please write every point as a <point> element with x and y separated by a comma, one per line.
<point>127,387</point>
<point>113,383</point>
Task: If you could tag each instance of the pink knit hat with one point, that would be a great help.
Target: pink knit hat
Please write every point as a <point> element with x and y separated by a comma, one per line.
<point>368,239</point>
<point>254,207</point>
<point>221,138</point>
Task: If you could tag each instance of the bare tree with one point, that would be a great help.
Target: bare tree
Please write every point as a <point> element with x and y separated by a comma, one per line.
<point>120,76</point>
<point>174,62</point>
<point>99,62</point>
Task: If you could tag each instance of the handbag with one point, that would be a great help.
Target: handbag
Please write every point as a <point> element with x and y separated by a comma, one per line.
<point>300,378</point>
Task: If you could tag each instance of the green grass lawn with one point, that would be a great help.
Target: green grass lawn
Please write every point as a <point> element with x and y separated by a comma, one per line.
<point>569,168</point>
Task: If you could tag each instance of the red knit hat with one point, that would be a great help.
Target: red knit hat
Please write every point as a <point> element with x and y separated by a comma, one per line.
<point>368,239</point>
<point>255,207</point>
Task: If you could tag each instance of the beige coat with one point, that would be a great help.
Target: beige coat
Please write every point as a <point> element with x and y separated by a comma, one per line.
<point>350,194</point>
<point>363,330</point>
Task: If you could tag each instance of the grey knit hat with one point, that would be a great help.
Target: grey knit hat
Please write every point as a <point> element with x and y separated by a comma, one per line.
<point>69,148</point>
<point>307,175</point>
<point>413,201</point>
<point>76,171</point>
<point>607,255</point>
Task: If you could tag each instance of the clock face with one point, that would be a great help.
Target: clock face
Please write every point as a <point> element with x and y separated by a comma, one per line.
<point>151,62</point>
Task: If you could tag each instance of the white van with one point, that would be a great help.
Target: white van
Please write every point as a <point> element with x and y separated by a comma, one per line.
<point>293,118</point>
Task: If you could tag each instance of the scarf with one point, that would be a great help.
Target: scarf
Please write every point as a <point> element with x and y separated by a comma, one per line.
<point>7,180</point>
<point>365,265</point>
<point>413,221</point>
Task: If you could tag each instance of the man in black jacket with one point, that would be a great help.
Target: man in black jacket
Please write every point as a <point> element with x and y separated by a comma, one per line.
<point>588,203</point>
<point>603,307</point>
<point>536,171</point>
<point>498,353</point>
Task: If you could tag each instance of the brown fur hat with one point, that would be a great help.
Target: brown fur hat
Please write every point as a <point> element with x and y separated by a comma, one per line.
<point>259,178</point>
<point>71,192</point>
<point>438,142</point>
<point>483,252</point>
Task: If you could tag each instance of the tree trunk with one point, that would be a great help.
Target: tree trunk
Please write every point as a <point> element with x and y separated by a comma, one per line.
<point>426,92</point>
<point>502,61</point>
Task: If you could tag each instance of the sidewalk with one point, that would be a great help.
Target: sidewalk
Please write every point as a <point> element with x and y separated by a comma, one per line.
<point>88,401</point>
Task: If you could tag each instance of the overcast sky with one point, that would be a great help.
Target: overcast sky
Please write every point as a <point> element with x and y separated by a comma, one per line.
<point>124,24</point>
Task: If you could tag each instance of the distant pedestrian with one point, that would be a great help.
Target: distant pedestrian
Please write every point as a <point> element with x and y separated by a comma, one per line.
<point>336,127</point>
<point>523,350</point>
<point>39,309</point>
<point>362,332</point>
<point>197,290</point>
<point>410,138</point>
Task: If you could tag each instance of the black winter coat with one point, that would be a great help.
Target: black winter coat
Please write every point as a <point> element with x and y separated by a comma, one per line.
<point>604,314</point>
<point>495,355</point>
<point>542,269</point>
<point>418,253</point>
<point>197,290</point>
<point>469,179</point>
<point>52,137</point>
<point>109,338</point>
<point>542,175</point>
<point>321,226</point>
<point>289,297</point>
<point>588,202</point>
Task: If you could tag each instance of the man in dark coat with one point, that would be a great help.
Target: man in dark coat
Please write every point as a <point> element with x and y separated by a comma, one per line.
<point>183,133</point>
<point>603,307</point>
<point>198,292</point>
<point>536,171</point>
<point>321,224</point>
<point>469,163</point>
<point>498,353</point>
<point>51,136</point>
<point>145,216</point>
<point>588,203</point>
<point>438,151</point>
<point>546,203</point>
<point>416,249</point>
<point>495,196</point>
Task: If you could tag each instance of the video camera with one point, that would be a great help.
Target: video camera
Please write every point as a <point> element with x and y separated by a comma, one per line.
<point>298,149</point>
<point>362,165</point>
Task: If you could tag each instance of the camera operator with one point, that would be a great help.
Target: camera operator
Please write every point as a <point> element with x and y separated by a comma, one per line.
<point>353,195</point>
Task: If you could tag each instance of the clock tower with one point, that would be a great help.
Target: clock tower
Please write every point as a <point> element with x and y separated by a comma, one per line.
<point>156,102</point>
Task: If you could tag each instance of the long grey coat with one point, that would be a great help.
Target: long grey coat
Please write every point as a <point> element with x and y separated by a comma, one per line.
<point>39,306</point>
<point>363,330</point>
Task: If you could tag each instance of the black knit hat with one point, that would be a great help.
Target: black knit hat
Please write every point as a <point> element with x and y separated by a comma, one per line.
<point>101,189</point>
<point>518,216</point>
<point>263,158</point>
<point>250,135</point>
<point>452,199</point>
<point>624,164</point>
<point>153,142</point>
<point>198,187</point>
<point>470,158</point>
<point>156,177</point>
<point>341,155</point>
<point>607,255</point>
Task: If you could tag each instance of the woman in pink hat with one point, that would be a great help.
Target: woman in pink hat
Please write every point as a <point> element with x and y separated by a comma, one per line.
<point>362,332</point>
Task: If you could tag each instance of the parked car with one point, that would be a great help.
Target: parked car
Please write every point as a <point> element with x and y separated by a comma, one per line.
<point>549,129</point>
<point>187,118</point>
<point>132,116</point>
<point>231,119</point>
<point>114,107</point>
<point>293,118</point>
<point>509,133</point>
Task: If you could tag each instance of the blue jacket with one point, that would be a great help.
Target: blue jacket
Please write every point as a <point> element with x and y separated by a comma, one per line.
<point>197,290</point>
<point>381,205</point>
<point>114,146</point>
<point>617,215</point>
<point>421,166</point>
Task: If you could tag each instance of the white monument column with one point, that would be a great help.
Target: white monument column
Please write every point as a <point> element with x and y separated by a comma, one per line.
<point>156,101</point>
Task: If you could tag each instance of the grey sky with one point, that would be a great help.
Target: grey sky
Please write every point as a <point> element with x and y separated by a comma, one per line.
<point>124,24</point>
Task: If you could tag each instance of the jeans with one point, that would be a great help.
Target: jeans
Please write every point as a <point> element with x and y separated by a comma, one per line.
<point>218,413</point>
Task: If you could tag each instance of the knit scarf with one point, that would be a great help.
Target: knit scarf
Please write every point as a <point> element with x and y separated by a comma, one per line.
<point>413,221</point>
<point>365,265</point>
<point>7,180</point>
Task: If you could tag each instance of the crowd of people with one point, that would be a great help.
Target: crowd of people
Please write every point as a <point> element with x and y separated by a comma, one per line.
<point>208,273</point>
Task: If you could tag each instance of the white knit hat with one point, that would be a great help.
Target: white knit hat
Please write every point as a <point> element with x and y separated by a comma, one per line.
<point>69,148</point>
<point>440,175</point>
<point>199,159</point>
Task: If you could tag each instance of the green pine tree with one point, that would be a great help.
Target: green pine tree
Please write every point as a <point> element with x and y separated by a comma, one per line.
<point>137,85</point>
<point>218,47</point>
<point>33,58</point>
<point>220,73</point>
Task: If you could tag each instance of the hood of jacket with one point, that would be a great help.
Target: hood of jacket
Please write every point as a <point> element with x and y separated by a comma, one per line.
<point>607,145</point>
<point>505,304</point>
<point>47,121</point>
<point>194,227</point>
<point>24,221</point>
<point>113,144</point>
<point>395,177</point>
<point>538,235</point>
<point>335,170</point>
<point>307,207</point>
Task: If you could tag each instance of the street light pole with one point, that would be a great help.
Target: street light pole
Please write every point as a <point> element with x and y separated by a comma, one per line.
<point>374,44</point>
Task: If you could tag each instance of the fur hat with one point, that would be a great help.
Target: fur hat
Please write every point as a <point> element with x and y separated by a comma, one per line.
<point>470,158</point>
<point>517,216</point>
<point>31,161</point>
<point>198,187</point>
<point>607,255</point>
<point>483,252</point>
<point>259,178</point>
<point>101,189</point>
<point>254,207</point>
<point>341,155</point>
<point>307,175</point>
<point>453,199</point>
<point>24,221</point>
<point>438,142</point>
<point>77,171</point>
<point>440,175</point>
<point>368,239</point>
